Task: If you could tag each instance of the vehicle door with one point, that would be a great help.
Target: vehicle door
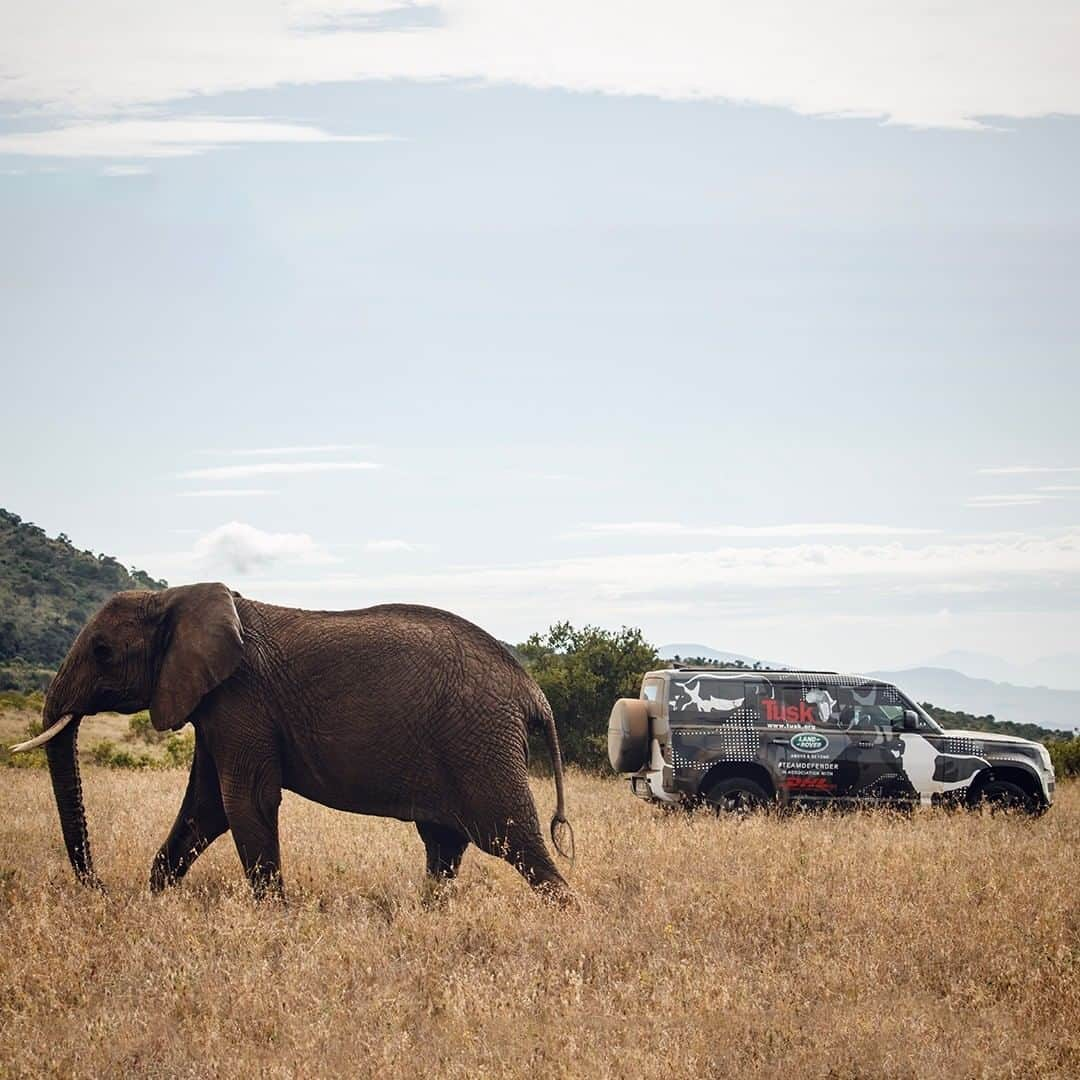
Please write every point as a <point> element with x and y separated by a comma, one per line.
<point>871,767</point>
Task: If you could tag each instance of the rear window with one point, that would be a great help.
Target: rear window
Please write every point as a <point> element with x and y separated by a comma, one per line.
<point>650,689</point>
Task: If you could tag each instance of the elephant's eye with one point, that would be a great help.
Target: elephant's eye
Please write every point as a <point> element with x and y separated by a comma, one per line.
<point>102,652</point>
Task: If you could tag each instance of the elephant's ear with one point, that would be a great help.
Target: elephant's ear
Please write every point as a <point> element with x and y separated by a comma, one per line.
<point>202,645</point>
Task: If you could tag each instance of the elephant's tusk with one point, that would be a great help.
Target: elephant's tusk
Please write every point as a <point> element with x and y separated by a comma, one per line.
<point>45,736</point>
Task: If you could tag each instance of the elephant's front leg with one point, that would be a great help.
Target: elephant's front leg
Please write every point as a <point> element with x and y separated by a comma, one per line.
<point>251,792</point>
<point>199,823</point>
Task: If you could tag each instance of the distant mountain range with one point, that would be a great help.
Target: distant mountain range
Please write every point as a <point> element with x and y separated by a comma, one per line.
<point>1005,701</point>
<point>1061,671</point>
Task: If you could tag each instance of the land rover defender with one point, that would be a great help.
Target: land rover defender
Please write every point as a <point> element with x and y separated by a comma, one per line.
<point>737,739</point>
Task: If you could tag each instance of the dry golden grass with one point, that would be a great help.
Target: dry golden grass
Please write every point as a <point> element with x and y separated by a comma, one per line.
<point>845,946</point>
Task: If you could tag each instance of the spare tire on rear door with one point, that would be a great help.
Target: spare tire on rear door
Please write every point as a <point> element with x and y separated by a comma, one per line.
<point>628,735</point>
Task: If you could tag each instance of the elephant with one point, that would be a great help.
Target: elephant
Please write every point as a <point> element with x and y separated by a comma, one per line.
<point>396,710</point>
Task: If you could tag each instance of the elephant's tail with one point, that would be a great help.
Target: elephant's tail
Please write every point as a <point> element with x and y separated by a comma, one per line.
<point>543,719</point>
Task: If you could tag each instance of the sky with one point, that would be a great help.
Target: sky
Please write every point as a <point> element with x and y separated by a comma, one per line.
<point>754,325</point>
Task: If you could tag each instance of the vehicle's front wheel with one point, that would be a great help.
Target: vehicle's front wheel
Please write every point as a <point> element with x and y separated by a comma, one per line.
<point>1004,795</point>
<point>737,795</point>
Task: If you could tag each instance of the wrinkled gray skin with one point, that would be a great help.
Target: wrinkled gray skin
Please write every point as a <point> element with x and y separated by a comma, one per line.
<point>396,710</point>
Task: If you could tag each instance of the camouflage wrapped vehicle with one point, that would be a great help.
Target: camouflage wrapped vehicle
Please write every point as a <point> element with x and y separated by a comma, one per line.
<point>738,739</point>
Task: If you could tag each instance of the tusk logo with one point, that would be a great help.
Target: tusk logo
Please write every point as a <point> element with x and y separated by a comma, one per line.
<point>809,742</point>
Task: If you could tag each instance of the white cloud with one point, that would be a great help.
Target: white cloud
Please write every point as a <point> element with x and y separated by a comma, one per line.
<point>241,548</point>
<point>610,580</point>
<point>675,528</point>
<point>1058,487</point>
<point>164,138</point>
<point>924,65</point>
<point>1022,470</point>
<point>226,493</point>
<point>1020,499</point>
<point>394,545</point>
<point>276,468</point>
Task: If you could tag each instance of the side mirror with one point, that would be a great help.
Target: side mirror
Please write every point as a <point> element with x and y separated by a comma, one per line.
<point>911,720</point>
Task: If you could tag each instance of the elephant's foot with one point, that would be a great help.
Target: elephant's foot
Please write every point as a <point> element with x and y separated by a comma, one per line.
<point>435,892</point>
<point>160,876</point>
<point>267,884</point>
<point>559,894</point>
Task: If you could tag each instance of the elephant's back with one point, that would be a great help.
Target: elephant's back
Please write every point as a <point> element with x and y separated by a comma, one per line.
<point>422,626</point>
<point>396,652</point>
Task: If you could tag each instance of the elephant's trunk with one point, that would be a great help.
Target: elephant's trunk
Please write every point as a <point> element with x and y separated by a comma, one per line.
<point>67,787</point>
<point>60,720</point>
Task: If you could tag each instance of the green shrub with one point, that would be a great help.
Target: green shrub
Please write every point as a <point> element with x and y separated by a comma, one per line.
<point>17,674</point>
<point>29,759</point>
<point>110,755</point>
<point>1066,757</point>
<point>33,701</point>
<point>140,727</point>
<point>582,672</point>
<point>180,749</point>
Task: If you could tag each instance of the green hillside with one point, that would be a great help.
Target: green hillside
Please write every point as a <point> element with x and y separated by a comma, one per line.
<point>950,718</point>
<point>48,589</point>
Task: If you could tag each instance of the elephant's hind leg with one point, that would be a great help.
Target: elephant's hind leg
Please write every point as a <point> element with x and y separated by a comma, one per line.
<point>199,823</point>
<point>518,840</point>
<point>445,848</point>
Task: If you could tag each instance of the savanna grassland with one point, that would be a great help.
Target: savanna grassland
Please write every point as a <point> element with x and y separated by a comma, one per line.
<point>839,945</point>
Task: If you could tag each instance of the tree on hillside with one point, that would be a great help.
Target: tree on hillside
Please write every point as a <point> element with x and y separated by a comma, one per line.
<point>582,672</point>
<point>48,589</point>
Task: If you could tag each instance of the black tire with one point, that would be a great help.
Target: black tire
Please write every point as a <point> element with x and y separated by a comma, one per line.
<point>737,795</point>
<point>1003,796</point>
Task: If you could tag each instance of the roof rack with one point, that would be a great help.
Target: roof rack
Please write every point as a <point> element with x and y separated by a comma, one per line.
<point>677,666</point>
<point>727,669</point>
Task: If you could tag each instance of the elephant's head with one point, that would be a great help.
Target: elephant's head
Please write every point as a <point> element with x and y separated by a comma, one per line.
<point>164,651</point>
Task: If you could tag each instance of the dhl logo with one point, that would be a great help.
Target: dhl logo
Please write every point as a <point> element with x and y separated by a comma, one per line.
<point>809,783</point>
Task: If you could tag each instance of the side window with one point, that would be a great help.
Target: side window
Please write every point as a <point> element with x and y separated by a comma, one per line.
<point>650,689</point>
<point>825,702</point>
<point>789,704</point>
<point>893,716</point>
<point>763,701</point>
<point>717,699</point>
<point>866,718</point>
<point>795,710</point>
<point>870,709</point>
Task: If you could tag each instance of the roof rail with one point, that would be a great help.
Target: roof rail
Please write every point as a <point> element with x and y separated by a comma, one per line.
<point>720,667</point>
<point>729,669</point>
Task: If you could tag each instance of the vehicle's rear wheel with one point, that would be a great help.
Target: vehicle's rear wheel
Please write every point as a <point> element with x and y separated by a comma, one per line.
<point>1004,795</point>
<point>737,795</point>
